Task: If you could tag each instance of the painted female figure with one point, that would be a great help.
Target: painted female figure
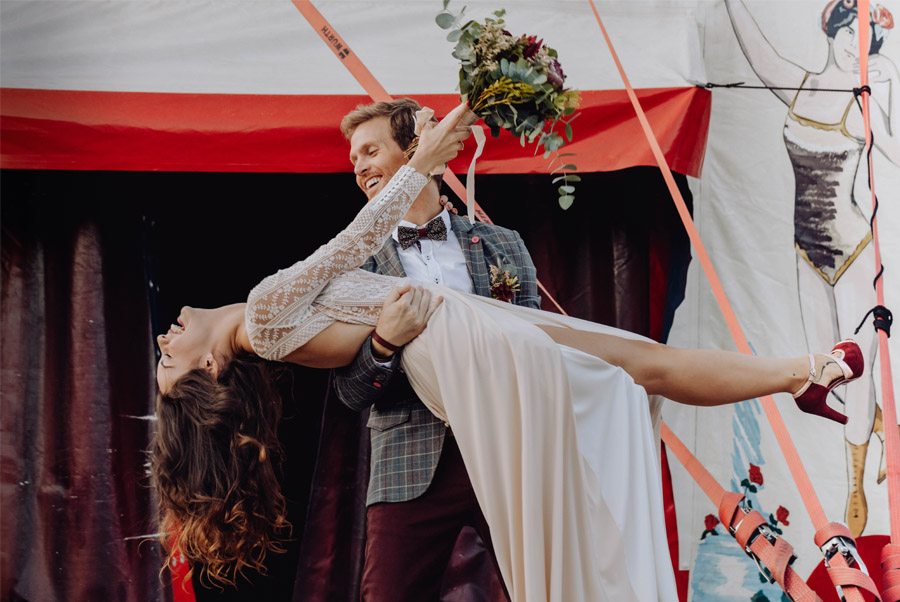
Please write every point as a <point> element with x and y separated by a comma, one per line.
<point>825,141</point>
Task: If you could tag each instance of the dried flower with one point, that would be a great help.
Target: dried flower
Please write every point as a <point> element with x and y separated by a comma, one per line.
<point>504,283</point>
<point>555,74</point>
<point>532,46</point>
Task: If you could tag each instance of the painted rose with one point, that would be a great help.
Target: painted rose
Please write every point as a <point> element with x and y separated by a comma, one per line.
<point>756,475</point>
<point>782,515</point>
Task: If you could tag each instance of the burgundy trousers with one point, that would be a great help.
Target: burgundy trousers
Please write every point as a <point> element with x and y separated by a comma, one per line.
<point>408,544</point>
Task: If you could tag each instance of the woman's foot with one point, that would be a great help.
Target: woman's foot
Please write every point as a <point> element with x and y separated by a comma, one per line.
<point>843,364</point>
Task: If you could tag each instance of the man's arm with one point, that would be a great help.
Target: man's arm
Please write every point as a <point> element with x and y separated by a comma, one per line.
<point>362,383</point>
<point>403,317</point>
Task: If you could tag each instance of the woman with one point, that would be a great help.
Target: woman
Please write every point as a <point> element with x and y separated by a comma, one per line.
<point>550,414</point>
<point>825,140</point>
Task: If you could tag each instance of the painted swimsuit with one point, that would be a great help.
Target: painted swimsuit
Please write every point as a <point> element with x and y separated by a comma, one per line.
<point>830,230</point>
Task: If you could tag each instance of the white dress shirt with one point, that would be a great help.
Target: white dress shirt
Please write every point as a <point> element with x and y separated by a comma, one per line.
<point>436,261</point>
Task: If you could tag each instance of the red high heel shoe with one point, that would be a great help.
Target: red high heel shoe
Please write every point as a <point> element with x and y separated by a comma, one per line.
<point>811,397</point>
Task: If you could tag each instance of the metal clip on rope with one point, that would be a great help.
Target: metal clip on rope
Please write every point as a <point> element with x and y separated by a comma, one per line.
<point>843,563</point>
<point>772,554</point>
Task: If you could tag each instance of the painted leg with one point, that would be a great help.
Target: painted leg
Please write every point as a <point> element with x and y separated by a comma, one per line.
<point>852,298</point>
<point>857,509</point>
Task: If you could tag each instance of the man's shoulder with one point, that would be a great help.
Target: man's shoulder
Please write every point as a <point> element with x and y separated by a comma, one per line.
<point>489,231</point>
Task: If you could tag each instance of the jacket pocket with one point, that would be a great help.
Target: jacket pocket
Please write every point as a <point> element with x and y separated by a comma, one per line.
<point>384,420</point>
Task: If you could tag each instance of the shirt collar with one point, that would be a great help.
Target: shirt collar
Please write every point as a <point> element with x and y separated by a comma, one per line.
<point>444,215</point>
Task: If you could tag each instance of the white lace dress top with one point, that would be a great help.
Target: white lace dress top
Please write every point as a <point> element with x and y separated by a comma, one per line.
<point>290,307</point>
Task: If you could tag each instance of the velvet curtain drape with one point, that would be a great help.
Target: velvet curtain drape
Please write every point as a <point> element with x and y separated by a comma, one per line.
<point>94,264</point>
<point>75,399</point>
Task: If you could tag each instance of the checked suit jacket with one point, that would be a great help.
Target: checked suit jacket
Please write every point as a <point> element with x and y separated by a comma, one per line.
<point>406,438</point>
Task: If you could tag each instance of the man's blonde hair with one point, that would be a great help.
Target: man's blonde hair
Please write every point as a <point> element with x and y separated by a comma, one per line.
<point>400,113</point>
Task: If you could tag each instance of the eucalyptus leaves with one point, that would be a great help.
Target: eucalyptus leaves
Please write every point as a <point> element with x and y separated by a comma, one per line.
<point>516,84</point>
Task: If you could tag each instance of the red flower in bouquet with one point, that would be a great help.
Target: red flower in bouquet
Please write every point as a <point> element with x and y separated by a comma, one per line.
<point>532,46</point>
<point>756,475</point>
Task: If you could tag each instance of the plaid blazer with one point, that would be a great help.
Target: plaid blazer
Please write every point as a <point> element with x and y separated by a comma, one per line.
<point>406,438</point>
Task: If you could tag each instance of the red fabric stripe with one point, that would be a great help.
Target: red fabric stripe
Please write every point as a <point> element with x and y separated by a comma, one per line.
<point>682,578</point>
<point>141,131</point>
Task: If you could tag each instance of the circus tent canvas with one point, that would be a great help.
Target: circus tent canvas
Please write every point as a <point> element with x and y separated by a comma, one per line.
<point>244,83</point>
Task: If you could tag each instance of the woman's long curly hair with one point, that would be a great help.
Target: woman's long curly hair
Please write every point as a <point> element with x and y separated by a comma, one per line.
<point>213,465</point>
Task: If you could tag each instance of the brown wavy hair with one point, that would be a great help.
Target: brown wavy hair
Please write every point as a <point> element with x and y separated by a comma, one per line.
<point>214,459</point>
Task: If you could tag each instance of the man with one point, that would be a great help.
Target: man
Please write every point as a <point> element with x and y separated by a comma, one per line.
<point>419,494</point>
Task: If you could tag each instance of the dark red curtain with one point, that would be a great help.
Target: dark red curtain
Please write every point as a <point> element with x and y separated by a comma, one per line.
<point>75,398</point>
<point>96,263</point>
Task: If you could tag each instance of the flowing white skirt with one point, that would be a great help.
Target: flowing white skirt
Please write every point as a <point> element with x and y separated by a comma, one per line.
<point>559,446</point>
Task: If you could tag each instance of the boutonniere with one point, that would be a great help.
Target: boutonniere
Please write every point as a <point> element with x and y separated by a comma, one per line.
<point>504,282</point>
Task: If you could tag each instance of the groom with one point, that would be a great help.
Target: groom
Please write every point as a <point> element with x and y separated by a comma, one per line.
<point>419,494</point>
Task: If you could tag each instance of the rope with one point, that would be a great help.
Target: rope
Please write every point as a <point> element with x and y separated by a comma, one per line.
<point>711,85</point>
<point>889,410</point>
<point>772,554</point>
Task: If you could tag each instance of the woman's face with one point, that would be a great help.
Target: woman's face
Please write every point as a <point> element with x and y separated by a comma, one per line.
<point>845,47</point>
<point>187,345</point>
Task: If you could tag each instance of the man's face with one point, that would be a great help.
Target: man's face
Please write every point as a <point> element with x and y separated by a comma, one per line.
<point>375,155</point>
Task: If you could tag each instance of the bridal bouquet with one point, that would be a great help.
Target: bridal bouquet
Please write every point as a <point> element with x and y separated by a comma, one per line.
<point>516,83</point>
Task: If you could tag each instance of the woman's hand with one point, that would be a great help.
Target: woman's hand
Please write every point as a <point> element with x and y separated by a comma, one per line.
<point>448,204</point>
<point>438,144</point>
<point>404,316</point>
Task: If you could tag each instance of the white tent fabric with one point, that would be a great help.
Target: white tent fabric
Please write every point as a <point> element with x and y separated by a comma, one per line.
<point>266,47</point>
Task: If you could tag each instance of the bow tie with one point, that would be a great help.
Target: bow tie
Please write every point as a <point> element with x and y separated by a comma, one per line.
<point>435,230</point>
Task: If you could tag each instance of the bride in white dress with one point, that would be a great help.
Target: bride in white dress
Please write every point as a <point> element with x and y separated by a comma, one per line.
<point>551,414</point>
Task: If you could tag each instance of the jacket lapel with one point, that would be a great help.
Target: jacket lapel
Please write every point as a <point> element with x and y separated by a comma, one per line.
<point>387,260</point>
<point>474,254</point>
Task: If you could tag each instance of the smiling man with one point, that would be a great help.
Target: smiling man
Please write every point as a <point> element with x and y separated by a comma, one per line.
<point>419,494</point>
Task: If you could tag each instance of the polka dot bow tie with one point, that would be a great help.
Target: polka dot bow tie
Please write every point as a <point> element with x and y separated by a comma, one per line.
<point>435,230</point>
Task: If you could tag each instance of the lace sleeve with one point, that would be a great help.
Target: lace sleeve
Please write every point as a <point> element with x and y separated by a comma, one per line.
<point>280,304</point>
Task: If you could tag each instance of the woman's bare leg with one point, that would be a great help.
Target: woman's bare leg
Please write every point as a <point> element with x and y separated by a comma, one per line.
<point>702,377</point>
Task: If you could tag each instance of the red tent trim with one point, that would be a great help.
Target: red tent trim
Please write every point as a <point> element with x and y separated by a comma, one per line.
<point>149,131</point>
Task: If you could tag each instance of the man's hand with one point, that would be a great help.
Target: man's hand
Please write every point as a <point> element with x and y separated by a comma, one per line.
<point>404,316</point>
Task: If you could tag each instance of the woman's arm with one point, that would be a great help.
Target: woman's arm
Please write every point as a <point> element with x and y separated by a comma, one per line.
<point>285,294</point>
<point>771,67</point>
<point>274,304</point>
